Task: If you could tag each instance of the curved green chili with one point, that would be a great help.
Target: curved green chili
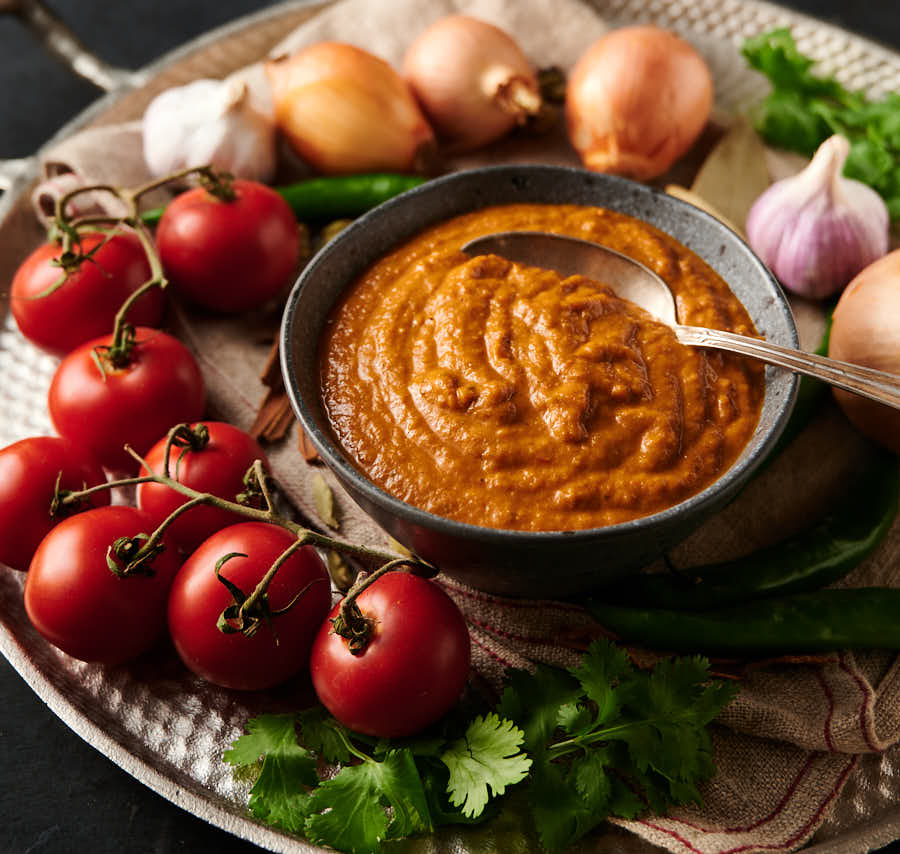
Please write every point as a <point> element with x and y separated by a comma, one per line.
<point>809,560</point>
<point>333,197</point>
<point>862,618</point>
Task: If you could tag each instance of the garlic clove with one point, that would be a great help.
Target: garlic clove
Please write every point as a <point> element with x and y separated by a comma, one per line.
<point>816,230</point>
<point>209,122</point>
<point>259,92</point>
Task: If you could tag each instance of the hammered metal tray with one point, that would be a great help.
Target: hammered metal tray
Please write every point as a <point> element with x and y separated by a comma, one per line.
<point>168,729</point>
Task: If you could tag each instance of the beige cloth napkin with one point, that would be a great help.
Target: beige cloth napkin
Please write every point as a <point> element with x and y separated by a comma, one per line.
<point>788,744</point>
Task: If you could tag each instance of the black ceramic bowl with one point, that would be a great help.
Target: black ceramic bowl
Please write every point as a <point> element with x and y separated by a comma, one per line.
<point>539,564</point>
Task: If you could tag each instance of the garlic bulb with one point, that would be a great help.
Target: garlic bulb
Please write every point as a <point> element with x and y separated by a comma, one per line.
<point>815,231</point>
<point>209,122</point>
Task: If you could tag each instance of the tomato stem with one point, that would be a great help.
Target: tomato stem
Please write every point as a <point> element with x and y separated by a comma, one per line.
<point>156,536</point>
<point>352,749</point>
<point>350,622</point>
<point>305,536</point>
<point>157,278</point>
<point>119,351</point>
<point>63,498</point>
<point>188,439</point>
<point>247,612</point>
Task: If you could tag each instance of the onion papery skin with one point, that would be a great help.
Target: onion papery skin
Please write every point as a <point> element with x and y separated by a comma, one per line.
<point>344,110</point>
<point>866,331</point>
<point>636,101</point>
<point>472,80</point>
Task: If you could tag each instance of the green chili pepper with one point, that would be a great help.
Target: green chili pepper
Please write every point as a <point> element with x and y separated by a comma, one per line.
<point>809,560</point>
<point>863,618</point>
<point>333,197</point>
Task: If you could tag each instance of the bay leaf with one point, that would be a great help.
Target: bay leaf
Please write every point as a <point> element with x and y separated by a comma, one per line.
<point>734,174</point>
<point>342,574</point>
<point>323,498</point>
<point>398,547</point>
<point>692,198</point>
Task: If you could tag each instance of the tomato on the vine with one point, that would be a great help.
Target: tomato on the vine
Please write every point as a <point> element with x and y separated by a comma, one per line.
<point>413,668</point>
<point>229,255</point>
<point>79,604</point>
<point>159,386</point>
<point>96,278</point>
<point>216,464</point>
<point>279,645</point>
<point>30,471</point>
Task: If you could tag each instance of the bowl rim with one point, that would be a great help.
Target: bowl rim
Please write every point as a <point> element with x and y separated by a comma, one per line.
<point>343,469</point>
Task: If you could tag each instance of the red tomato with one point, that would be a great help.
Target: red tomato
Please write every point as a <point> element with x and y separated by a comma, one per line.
<point>28,473</point>
<point>218,468</point>
<point>85,306</point>
<point>413,669</point>
<point>160,387</point>
<point>277,650</point>
<point>78,604</point>
<point>229,256</point>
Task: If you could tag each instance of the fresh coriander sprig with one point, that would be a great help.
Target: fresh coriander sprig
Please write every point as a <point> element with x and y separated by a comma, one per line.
<point>805,108</point>
<point>609,739</point>
<point>383,790</point>
<point>602,739</point>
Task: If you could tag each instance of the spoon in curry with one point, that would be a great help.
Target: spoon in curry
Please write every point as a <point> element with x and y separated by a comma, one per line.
<point>633,281</point>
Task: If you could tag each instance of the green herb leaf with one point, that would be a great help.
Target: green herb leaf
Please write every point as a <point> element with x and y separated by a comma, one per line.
<point>602,739</point>
<point>486,757</point>
<point>278,796</point>
<point>804,109</point>
<point>643,745</point>
<point>575,718</point>
<point>435,779</point>
<point>349,811</point>
<point>533,702</point>
<point>598,673</point>
<point>322,734</point>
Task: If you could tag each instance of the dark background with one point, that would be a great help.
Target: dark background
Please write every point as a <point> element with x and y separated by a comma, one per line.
<point>57,794</point>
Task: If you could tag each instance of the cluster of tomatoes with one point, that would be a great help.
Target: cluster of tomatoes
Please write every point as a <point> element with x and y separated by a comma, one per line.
<point>94,586</point>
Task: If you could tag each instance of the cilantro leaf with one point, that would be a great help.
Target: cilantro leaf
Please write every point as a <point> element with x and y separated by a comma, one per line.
<point>598,672</point>
<point>435,779</point>
<point>486,757</point>
<point>560,814</point>
<point>279,795</point>
<point>589,774</point>
<point>609,739</point>
<point>804,109</point>
<point>575,718</point>
<point>321,733</point>
<point>349,812</point>
<point>533,703</point>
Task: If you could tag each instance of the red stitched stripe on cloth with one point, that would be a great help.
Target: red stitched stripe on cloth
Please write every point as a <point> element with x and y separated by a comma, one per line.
<point>775,846</point>
<point>830,697</point>
<point>866,710</point>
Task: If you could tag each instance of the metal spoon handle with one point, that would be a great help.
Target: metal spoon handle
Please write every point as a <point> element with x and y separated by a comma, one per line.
<point>877,385</point>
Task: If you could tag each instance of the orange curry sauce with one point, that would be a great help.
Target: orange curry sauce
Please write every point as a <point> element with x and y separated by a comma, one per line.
<point>511,397</point>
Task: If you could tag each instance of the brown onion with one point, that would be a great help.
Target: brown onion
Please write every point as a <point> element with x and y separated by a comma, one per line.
<point>866,331</point>
<point>344,110</point>
<point>636,101</point>
<point>472,80</point>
